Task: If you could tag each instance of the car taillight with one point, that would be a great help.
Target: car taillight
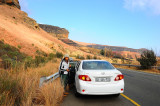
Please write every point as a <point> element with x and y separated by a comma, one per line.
<point>119,77</point>
<point>84,77</point>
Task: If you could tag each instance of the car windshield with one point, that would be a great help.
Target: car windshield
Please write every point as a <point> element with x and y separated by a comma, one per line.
<point>97,65</point>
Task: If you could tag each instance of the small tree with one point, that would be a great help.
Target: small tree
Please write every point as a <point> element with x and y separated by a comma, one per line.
<point>147,59</point>
<point>102,52</point>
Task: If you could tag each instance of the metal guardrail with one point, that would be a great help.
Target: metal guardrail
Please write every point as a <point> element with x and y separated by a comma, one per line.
<point>48,79</point>
<point>137,66</point>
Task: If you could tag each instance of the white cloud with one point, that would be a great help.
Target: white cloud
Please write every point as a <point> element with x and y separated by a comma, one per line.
<point>152,6</point>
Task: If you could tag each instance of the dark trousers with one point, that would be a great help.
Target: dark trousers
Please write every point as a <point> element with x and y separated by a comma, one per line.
<point>64,80</point>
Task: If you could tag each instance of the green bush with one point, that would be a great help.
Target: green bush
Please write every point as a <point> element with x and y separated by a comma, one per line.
<point>19,46</point>
<point>13,58</point>
<point>102,52</point>
<point>147,59</point>
<point>10,55</point>
<point>41,53</point>
<point>28,62</point>
<point>80,57</point>
<point>6,61</point>
<point>59,55</point>
<point>95,57</point>
<point>88,57</point>
<point>51,56</point>
<point>39,59</point>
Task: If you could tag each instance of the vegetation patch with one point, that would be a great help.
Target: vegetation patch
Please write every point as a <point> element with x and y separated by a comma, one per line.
<point>12,58</point>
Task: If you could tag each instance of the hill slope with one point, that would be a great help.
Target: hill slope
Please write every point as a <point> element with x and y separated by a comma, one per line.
<point>17,29</point>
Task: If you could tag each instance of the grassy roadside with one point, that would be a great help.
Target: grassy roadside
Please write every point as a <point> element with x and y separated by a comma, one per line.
<point>153,71</point>
<point>21,87</point>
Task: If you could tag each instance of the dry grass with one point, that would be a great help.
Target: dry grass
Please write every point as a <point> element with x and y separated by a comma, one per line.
<point>50,94</point>
<point>22,87</point>
<point>153,71</point>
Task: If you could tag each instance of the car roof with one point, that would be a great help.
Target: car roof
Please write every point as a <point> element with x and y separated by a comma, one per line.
<point>93,60</point>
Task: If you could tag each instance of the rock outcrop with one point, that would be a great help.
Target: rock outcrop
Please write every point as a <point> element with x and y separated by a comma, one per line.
<point>60,33</point>
<point>11,2</point>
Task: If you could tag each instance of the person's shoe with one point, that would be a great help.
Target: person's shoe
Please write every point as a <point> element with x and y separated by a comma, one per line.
<point>66,93</point>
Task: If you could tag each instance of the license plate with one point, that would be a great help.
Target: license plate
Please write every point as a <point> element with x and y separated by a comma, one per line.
<point>103,79</point>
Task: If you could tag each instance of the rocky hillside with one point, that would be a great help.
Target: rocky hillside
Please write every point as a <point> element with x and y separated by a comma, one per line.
<point>11,3</point>
<point>21,31</point>
<point>58,32</point>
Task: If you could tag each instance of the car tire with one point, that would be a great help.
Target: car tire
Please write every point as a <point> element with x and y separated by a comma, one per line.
<point>117,95</point>
<point>76,93</point>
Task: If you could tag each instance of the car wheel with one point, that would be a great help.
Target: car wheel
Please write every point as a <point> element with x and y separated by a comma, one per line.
<point>116,95</point>
<point>76,93</point>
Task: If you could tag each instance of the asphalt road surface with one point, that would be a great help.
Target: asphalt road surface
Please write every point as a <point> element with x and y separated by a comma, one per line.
<point>143,88</point>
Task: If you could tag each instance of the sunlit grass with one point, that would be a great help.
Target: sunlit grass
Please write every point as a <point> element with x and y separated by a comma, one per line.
<point>20,87</point>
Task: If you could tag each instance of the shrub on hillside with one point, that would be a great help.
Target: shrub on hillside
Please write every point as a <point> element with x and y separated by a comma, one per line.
<point>6,61</point>
<point>51,56</point>
<point>59,55</point>
<point>95,57</point>
<point>80,57</point>
<point>41,53</point>
<point>88,57</point>
<point>39,59</point>
<point>10,55</point>
<point>19,46</point>
<point>147,59</point>
<point>102,52</point>
<point>28,62</point>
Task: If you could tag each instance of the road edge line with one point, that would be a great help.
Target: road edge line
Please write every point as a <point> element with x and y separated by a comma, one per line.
<point>135,103</point>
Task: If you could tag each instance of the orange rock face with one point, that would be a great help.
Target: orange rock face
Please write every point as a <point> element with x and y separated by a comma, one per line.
<point>60,33</point>
<point>11,2</point>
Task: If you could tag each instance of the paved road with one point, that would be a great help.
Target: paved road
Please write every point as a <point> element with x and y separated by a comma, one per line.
<point>141,87</point>
<point>71,100</point>
<point>144,88</point>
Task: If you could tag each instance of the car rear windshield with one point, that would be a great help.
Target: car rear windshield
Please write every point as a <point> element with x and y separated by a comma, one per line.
<point>97,65</point>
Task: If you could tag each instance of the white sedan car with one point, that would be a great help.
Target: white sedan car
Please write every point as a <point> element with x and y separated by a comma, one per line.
<point>97,77</point>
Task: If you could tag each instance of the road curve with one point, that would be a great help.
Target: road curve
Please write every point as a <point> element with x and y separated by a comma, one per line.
<point>141,87</point>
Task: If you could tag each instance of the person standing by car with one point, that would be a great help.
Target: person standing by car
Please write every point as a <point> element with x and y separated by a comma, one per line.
<point>64,69</point>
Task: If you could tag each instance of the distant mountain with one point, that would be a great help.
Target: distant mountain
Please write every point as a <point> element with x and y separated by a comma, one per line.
<point>117,48</point>
<point>125,51</point>
<point>113,48</point>
<point>62,34</point>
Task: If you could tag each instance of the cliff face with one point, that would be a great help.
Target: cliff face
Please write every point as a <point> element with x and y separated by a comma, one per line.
<point>11,2</point>
<point>60,33</point>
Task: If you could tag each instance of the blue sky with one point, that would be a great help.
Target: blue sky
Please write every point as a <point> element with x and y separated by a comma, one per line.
<point>130,23</point>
